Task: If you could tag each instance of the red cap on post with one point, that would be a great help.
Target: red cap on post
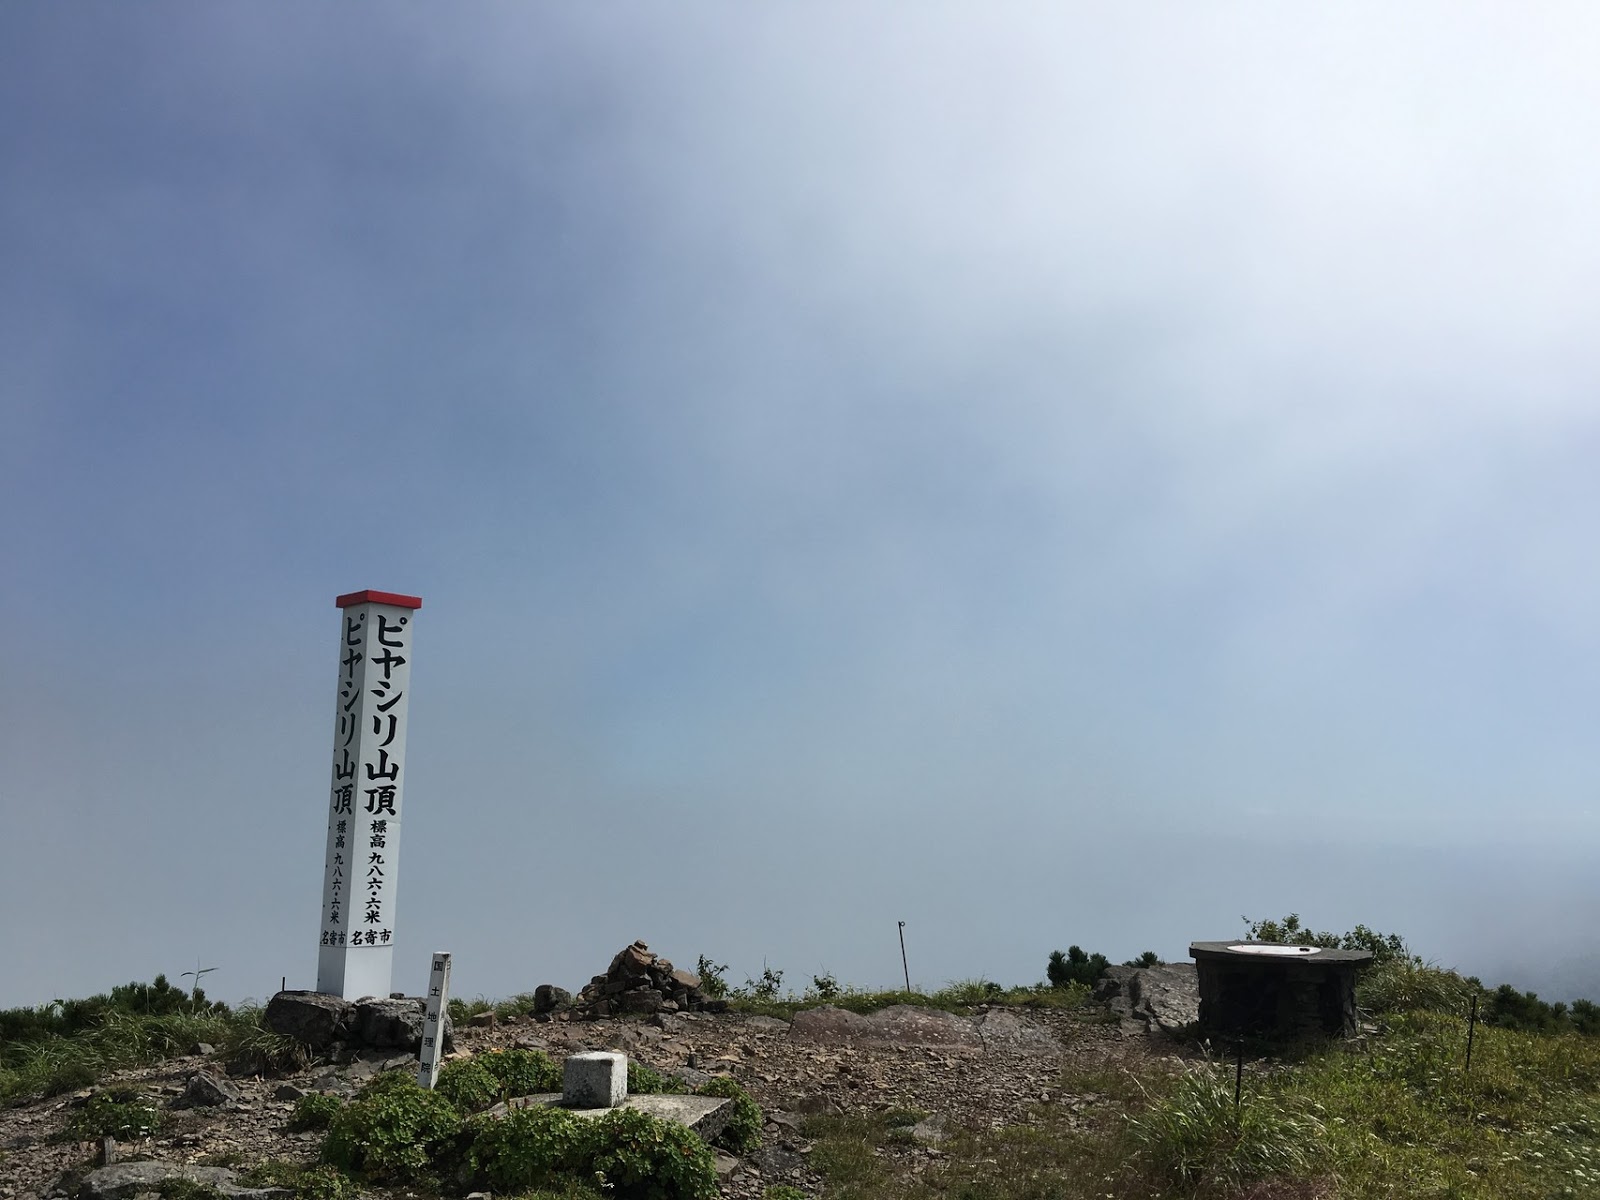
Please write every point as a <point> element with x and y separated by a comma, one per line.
<point>371,597</point>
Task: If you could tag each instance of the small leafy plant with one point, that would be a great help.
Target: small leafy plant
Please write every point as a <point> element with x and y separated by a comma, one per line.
<point>713,977</point>
<point>123,1113</point>
<point>824,986</point>
<point>644,1081</point>
<point>392,1131</point>
<point>522,1072</point>
<point>528,1147</point>
<point>468,1085</point>
<point>645,1158</point>
<point>742,1133</point>
<point>319,1182</point>
<point>768,987</point>
<point>314,1111</point>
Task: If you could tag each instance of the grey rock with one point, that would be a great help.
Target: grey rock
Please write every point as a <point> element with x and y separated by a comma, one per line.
<point>208,1091</point>
<point>1002,1029</point>
<point>1165,997</point>
<point>123,1181</point>
<point>389,1024</point>
<point>396,1024</point>
<point>777,1160</point>
<point>642,1000</point>
<point>288,1091</point>
<point>310,1017</point>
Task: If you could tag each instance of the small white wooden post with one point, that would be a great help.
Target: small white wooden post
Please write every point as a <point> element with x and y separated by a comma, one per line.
<point>433,1022</point>
<point>355,957</point>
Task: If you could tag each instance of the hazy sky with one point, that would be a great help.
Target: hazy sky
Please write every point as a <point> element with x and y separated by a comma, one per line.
<point>1047,474</point>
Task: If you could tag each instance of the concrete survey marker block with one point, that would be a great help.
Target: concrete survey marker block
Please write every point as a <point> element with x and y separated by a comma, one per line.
<point>598,1079</point>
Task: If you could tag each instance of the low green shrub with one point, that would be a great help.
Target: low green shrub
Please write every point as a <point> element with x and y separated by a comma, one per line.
<point>1508,1008</point>
<point>314,1111</point>
<point>468,1085</point>
<point>1075,966</point>
<point>782,1191</point>
<point>388,1081</point>
<point>392,1130</point>
<point>713,980</point>
<point>645,1158</point>
<point>319,1182</point>
<point>742,1133</point>
<point>528,1147</point>
<point>522,1072</point>
<point>644,1081</point>
<point>122,1113</point>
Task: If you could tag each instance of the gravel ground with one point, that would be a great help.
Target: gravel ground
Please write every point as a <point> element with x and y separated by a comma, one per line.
<point>990,1069</point>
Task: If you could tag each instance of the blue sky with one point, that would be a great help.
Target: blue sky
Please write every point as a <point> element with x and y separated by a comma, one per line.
<point>1047,474</point>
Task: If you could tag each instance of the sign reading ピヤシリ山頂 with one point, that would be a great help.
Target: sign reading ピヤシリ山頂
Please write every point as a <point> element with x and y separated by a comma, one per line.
<point>365,789</point>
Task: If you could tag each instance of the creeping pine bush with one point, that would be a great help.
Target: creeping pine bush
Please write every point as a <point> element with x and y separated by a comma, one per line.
<point>645,1158</point>
<point>1197,1138</point>
<point>392,1131</point>
<point>314,1111</point>
<point>1075,966</point>
<point>742,1133</point>
<point>526,1148</point>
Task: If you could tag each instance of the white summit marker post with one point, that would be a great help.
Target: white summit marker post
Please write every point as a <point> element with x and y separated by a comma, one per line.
<point>433,1021</point>
<point>355,957</point>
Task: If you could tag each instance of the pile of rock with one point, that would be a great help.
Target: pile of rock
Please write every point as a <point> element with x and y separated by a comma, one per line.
<point>637,981</point>
<point>1165,997</point>
<point>329,1023</point>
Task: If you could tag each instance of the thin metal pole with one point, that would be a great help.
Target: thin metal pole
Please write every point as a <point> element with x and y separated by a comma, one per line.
<point>903,966</point>
<point>1472,1025</point>
<point>1238,1071</point>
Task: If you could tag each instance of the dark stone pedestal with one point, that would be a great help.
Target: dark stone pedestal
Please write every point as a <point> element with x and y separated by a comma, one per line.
<point>1279,993</point>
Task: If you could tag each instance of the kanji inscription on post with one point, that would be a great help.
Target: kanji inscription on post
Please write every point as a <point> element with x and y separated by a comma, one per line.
<point>433,1021</point>
<point>369,741</point>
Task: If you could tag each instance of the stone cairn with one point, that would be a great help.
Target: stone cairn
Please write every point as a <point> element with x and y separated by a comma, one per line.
<point>640,982</point>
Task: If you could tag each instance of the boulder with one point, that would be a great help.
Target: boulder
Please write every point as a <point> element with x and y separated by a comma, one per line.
<point>547,998</point>
<point>324,1022</point>
<point>396,1024</point>
<point>208,1091</point>
<point>311,1018</point>
<point>1164,997</point>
